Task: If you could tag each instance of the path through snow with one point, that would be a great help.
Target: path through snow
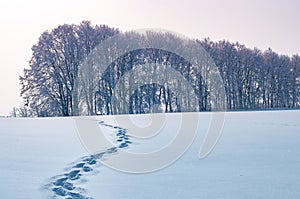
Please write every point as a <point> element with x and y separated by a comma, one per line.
<point>70,184</point>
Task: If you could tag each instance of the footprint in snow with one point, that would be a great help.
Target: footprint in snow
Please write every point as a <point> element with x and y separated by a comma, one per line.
<point>69,184</point>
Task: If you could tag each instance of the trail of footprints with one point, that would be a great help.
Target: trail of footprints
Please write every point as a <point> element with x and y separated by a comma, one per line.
<point>67,185</point>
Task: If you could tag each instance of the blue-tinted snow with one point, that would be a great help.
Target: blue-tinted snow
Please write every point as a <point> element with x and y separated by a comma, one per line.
<point>257,156</point>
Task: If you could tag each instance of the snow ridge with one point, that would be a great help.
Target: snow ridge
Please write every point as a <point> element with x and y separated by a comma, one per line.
<point>69,185</point>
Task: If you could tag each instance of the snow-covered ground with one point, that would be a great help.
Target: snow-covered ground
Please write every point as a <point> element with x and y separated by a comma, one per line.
<point>257,156</point>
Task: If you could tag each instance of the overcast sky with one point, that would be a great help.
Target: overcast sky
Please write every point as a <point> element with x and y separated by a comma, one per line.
<point>255,23</point>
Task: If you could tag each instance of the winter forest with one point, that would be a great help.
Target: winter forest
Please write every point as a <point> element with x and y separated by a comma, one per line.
<point>55,83</point>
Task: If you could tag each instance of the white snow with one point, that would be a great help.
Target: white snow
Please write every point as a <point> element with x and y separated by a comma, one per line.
<point>257,156</point>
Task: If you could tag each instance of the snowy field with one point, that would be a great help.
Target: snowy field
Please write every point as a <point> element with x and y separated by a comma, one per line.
<point>257,156</point>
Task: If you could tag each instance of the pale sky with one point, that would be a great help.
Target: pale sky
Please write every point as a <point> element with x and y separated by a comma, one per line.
<point>254,23</point>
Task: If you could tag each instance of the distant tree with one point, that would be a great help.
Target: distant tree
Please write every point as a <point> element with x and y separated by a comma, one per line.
<point>89,74</point>
<point>22,111</point>
<point>295,80</point>
<point>14,112</point>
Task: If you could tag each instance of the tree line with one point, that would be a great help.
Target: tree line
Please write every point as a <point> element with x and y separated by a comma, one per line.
<point>254,79</point>
<point>61,79</point>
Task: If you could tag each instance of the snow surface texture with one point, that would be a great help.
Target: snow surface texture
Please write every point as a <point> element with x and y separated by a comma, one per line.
<point>257,156</point>
<point>68,185</point>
